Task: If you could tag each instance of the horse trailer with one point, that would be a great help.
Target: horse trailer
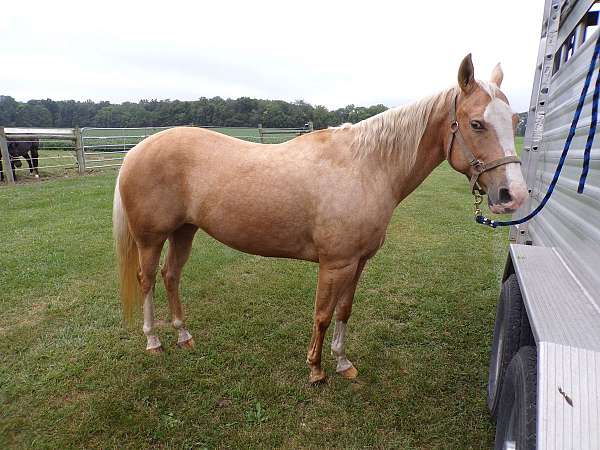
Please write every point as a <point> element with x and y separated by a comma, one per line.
<point>544,379</point>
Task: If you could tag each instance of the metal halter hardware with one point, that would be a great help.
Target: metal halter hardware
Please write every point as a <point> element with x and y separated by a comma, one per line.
<point>478,166</point>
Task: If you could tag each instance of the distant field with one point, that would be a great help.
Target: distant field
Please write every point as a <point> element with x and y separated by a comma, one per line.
<point>73,377</point>
<point>134,135</point>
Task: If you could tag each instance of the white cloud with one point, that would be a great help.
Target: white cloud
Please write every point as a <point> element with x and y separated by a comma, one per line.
<point>331,53</point>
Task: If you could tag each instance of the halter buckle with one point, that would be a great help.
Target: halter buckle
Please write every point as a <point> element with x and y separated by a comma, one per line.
<point>479,166</point>
<point>454,126</point>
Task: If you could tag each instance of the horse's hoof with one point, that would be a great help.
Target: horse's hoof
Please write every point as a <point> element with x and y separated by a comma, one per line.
<point>317,377</point>
<point>36,175</point>
<point>189,344</point>
<point>349,374</point>
<point>156,350</point>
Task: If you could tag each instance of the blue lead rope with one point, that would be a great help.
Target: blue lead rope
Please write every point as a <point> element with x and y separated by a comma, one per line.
<point>586,156</point>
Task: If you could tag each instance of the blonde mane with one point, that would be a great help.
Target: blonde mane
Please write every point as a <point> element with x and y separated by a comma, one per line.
<point>397,132</point>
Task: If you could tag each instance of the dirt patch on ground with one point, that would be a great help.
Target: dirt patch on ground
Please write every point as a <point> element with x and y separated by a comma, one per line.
<point>32,316</point>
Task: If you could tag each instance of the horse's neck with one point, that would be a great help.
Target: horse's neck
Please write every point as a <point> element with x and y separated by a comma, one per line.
<point>416,146</point>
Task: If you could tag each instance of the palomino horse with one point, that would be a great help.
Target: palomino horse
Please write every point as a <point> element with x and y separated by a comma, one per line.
<point>325,197</point>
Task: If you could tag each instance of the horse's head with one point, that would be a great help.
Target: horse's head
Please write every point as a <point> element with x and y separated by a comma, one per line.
<point>482,144</point>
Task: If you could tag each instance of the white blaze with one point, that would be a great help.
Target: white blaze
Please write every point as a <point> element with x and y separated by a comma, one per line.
<point>499,115</point>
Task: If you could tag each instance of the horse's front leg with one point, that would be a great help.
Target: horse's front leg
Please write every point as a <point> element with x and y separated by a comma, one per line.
<point>334,282</point>
<point>12,167</point>
<point>343,310</point>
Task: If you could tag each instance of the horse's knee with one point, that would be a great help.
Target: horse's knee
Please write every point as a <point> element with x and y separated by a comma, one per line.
<point>146,283</point>
<point>170,278</point>
<point>322,321</point>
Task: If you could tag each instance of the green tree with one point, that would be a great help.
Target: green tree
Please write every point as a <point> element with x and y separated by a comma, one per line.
<point>216,111</point>
<point>32,115</point>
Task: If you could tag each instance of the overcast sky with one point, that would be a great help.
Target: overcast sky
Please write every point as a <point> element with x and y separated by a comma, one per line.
<point>324,52</point>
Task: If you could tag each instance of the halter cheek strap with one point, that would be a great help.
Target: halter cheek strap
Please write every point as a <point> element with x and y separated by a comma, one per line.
<point>478,166</point>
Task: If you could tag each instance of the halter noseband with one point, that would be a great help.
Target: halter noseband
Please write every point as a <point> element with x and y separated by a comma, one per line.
<point>478,166</point>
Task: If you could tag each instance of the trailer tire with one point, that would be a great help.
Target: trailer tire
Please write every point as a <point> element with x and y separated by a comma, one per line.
<point>511,332</point>
<point>516,421</point>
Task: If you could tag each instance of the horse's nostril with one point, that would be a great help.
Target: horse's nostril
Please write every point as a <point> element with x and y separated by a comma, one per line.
<point>504,195</point>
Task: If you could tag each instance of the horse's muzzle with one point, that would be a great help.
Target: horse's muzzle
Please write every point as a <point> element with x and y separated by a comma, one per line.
<point>506,200</point>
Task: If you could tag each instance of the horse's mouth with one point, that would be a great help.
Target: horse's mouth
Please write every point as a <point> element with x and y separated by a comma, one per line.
<point>503,208</point>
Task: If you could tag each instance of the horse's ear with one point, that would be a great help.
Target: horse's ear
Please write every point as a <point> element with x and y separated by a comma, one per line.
<point>466,75</point>
<point>497,75</point>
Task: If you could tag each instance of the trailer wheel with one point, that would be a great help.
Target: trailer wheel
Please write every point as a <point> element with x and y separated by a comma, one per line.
<point>516,421</point>
<point>511,332</point>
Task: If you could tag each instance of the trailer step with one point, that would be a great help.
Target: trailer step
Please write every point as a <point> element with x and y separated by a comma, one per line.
<point>566,324</point>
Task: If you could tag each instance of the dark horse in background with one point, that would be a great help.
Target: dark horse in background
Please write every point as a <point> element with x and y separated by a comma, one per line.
<point>27,149</point>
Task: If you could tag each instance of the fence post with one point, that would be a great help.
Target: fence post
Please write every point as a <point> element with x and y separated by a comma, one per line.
<point>6,163</point>
<point>260,133</point>
<point>79,150</point>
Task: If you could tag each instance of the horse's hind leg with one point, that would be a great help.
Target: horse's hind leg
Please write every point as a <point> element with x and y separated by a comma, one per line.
<point>180,245</point>
<point>35,160</point>
<point>343,310</point>
<point>334,281</point>
<point>149,259</point>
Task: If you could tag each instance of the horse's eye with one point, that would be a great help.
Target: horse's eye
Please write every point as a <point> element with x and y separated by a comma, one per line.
<point>476,125</point>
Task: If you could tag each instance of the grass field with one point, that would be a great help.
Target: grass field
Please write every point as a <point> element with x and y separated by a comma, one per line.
<point>72,376</point>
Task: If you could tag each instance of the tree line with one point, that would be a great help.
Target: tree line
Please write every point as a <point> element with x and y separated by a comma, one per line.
<point>216,111</point>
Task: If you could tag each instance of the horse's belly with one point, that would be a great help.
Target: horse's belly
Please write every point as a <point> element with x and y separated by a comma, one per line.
<point>261,228</point>
<point>280,243</point>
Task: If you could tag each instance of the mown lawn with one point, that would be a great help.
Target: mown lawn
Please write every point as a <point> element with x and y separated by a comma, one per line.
<point>72,376</point>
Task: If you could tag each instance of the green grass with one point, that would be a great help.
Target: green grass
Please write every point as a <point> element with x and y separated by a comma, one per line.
<point>72,376</point>
<point>519,144</point>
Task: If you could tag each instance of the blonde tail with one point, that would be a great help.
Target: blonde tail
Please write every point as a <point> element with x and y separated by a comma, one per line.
<point>127,258</point>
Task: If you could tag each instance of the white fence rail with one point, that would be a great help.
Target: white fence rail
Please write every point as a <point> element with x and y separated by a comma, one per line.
<point>63,150</point>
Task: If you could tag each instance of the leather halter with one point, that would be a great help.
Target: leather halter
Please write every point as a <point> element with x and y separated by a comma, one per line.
<point>478,166</point>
